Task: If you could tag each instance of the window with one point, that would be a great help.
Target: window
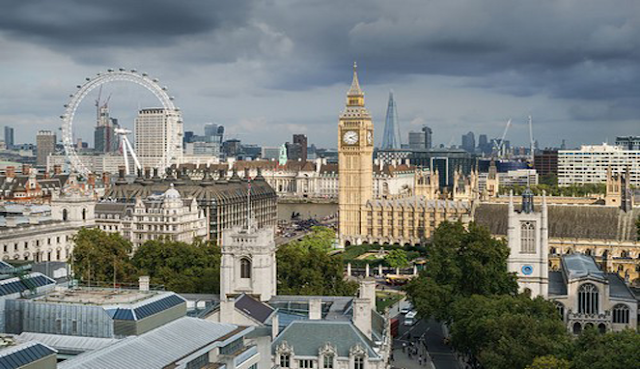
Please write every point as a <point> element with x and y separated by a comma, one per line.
<point>305,364</point>
<point>560,309</point>
<point>327,362</point>
<point>84,214</point>
<point>232,348</point>
<point>621,314</point>
<point>588,299</point>
<point>65,214</point>
<point>527,238</point>
<point>358,362</point>
<point>285,360</point>
<point>245,268</point>
<point>199,362</point>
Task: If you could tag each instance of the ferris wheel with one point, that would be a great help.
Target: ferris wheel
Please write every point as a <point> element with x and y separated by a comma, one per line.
<point>174,144</point>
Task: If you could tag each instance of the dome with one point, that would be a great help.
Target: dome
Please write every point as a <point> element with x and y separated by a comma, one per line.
<point>172,194</point>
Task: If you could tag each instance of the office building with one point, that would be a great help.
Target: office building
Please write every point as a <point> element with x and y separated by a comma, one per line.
<point>428,137</point>
<point>301,141</point>
<point>546,162</point>
<point>417,140</point>
<point>469,142</point>
<point>270,153</point>
<point>46,142</point>
<point>8,137</point>
<point>626,142</point>
<point>391,136</point>
<point>589,164</point>
<point>105,137</point>
<point>232,148</point>
<point>158,137</point>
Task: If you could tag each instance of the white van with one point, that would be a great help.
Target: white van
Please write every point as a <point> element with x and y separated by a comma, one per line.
<point>411,318</point>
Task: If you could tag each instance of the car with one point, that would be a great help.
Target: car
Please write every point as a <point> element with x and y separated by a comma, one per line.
<point>405,310</point>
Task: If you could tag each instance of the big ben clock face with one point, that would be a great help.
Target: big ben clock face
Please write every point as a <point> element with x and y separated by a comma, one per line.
<point>350,137</point>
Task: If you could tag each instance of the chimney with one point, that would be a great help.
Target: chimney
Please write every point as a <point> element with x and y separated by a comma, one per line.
<point>315,309</point>
<point>362,316</point>
<point>106,179</point>
<point>26,169</point>
<point>46,175</point>
<point>91,180</point>
<point>367,290</point>
<point>57,169</point>
<point>147,172</point>
<point>143,281</point>
<point>10,171</point>
<point>246,173</point>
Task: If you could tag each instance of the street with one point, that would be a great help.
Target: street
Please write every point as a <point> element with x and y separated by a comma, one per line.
<point>427,332</point>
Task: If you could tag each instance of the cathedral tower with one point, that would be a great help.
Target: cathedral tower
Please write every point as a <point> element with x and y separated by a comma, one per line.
<point>355,162</point>
<point>528,241</point>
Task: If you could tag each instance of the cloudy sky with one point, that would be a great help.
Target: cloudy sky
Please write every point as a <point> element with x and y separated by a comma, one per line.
<point>268,69</point>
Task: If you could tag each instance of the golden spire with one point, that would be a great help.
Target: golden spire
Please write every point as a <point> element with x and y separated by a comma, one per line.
<point>355,85</point>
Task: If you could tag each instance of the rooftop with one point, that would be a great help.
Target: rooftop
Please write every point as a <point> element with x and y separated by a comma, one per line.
<point>97,296</point>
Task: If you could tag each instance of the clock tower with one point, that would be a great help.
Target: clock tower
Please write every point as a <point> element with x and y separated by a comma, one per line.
<point>355,165</point>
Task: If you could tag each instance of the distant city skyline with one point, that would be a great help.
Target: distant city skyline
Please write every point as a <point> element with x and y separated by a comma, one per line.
<point>267,71</point>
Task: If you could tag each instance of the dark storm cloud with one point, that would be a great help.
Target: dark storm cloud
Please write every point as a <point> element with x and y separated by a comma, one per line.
<point>70,24</point>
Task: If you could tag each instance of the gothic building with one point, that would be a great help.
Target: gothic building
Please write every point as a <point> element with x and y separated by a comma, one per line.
<point>406,219</point>
<point>584,294</point>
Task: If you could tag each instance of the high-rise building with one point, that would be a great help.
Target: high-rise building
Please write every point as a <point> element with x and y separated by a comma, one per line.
<point>8,136</point>
<point>105,138</point>
<point>428,137</point>
<point>546,162</point>
<point>391,135</point>
<point>627,142</point>
<point>46,141</point>
<point>591,162</point>
<point>158,136</point>
<point>469,142</point>
<point>417,140</point>
<point>210,129</point>
<point>301,140</point>
<point>232,148</point>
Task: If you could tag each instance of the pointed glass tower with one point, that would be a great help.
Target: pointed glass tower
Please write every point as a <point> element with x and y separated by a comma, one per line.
<point>391,135</point>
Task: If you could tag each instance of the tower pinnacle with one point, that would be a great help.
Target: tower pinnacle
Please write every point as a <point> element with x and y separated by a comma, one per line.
<point>355,84</point>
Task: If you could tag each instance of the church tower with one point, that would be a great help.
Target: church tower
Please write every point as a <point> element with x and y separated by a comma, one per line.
<point>528,241</point>
<point>355,164</point>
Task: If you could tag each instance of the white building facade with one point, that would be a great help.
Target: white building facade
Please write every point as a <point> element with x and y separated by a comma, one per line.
<point>158,132</point>
<point>590,164</point>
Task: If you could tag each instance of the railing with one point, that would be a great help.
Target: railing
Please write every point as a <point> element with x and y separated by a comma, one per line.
<point>245,355</point>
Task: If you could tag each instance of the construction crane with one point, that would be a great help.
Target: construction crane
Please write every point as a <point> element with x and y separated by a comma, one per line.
<point>532,143</point>
<point>499,146</point>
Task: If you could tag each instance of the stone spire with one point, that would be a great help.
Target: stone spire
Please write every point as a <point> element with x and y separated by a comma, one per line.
<point>355,84</point>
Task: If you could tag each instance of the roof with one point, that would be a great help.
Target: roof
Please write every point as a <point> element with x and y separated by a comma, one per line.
<point>569,221</point>
<point>557,286</point>
<point>146,307</point>
<point>254,308</point>
<point>333,307</point>
<point>306,337</point>
<point>14,285</point>
<point>23,354</point>
<point>67,344</point>
<point>160,347</point>
<point>577,266</point>
<point>617,287</point>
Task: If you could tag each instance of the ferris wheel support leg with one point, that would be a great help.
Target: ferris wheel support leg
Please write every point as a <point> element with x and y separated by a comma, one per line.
<point>126,158</point>
<point>133,154</point>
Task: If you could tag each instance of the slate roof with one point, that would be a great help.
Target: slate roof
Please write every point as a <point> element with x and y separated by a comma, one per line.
<point>158,348</point>
<point>569,221</point>
<point>146,307</point>
<point>14,285</point>
<point>253,308</point>
<point>580,266</point>
<point>23,354</point>
<point>307,336</point>
<point>557,286</point>
<point>617,287</point>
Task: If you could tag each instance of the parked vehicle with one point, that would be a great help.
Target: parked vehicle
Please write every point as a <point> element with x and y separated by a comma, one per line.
<point>411,318</point>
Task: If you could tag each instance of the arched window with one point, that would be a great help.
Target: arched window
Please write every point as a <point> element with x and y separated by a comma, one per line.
<point>245,268</point>
<point>588,299</point>
<point>527,238</point>
<point>327,361</point>
<point>560,309</point>
<point>621,314</point>
<point>65,214</point>
<point>602,328</point>
<point>285,360</point>
<point>577,328</point>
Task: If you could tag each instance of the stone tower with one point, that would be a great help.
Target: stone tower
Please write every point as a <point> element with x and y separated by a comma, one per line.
<point>248,263</point>
<point>355,162</point>
<point>528,240</point>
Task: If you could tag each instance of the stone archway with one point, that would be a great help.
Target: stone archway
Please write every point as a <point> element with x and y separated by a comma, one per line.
<point>577,328</point>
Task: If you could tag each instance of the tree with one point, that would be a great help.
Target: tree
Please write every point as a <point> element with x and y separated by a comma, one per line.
<point>307,270</point>
<point>397,259</point>
<point>507,332</point>
<point>98,255</point>
<point>461,263</point>
<point>614,350</point>
<point>179,266</point>
<point>549,362</point>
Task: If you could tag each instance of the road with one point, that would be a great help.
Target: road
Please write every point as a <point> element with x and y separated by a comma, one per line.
<point>428,331</point>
